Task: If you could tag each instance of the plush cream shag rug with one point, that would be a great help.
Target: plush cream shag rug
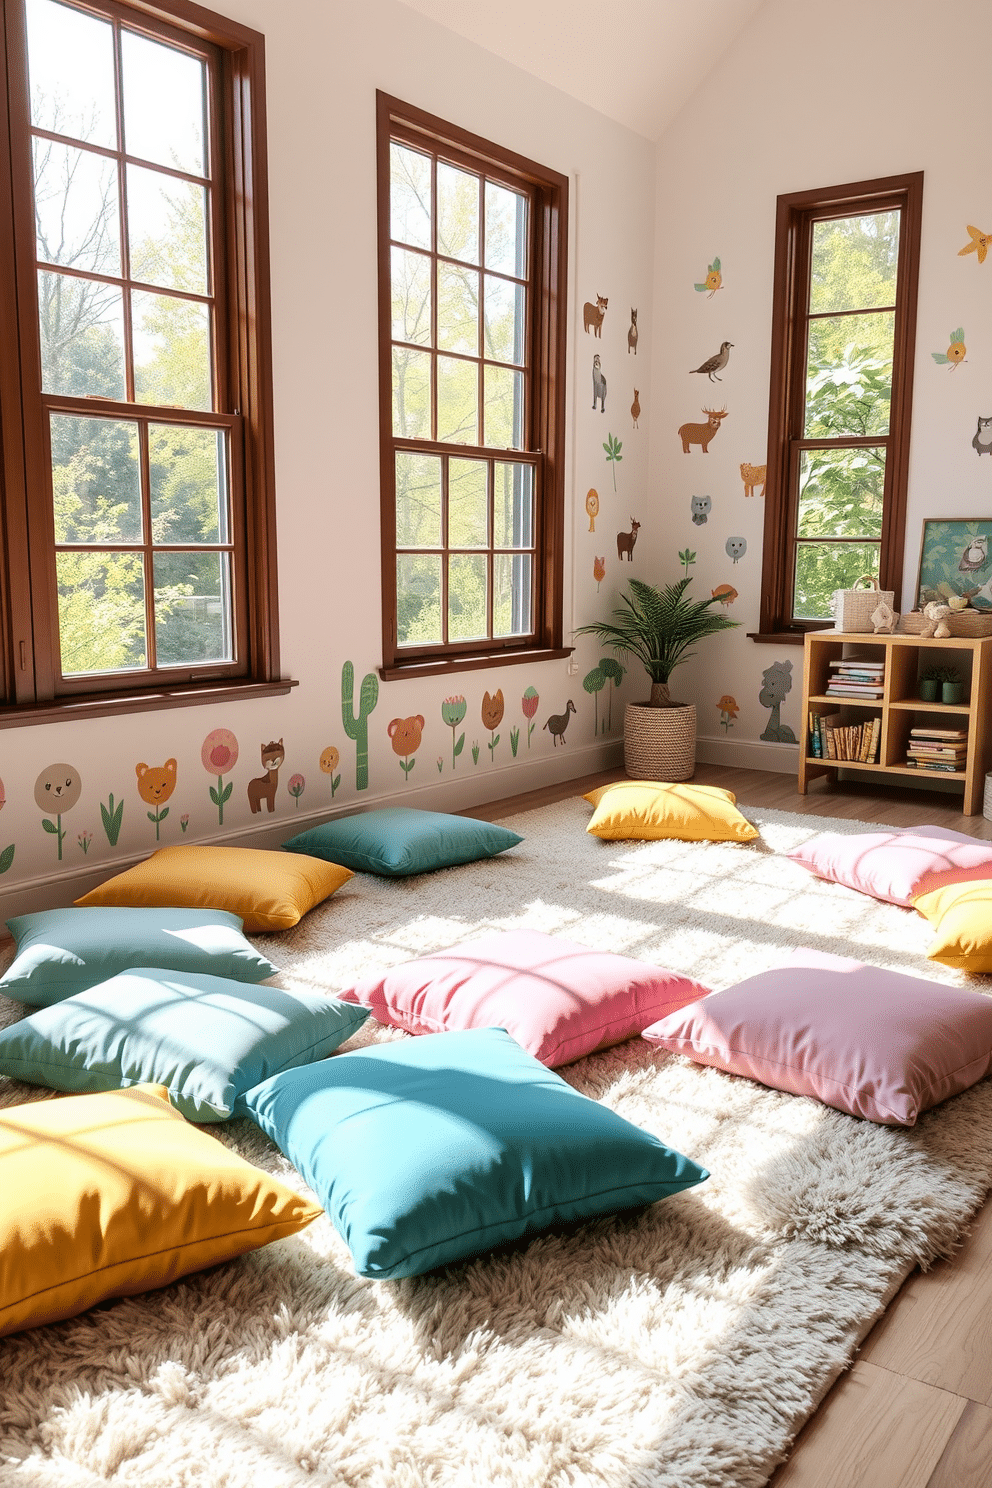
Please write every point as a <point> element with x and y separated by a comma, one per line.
<point>680,1347</point>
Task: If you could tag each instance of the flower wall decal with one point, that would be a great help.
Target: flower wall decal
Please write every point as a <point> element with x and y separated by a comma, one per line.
<point>453,710</point>
<point>219,755</point>
<point>492,716</point>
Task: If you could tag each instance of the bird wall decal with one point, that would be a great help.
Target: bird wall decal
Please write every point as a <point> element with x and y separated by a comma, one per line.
<point>715,363</point>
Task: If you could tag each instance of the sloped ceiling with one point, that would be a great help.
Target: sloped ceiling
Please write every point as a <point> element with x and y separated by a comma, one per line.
<point>637,61</point>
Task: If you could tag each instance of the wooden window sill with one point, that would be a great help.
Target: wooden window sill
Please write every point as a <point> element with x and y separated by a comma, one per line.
<point>468,663</point>
<point>779,637</point>
<point>103,705</point>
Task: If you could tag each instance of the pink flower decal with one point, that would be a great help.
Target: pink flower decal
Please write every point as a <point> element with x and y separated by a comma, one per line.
<point>220,754</point>
<point>296,787</point>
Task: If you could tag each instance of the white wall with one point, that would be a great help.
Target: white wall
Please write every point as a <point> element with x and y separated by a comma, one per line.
<point>812,96</point>
<point>325,59</point>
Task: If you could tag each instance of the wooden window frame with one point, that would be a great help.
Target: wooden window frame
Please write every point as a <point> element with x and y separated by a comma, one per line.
<point>545,400</point>
<point>796,213</point>
<point>32,689</point>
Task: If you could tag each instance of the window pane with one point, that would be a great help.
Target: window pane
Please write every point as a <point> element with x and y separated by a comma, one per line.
<point>840,493</point>
<point>192,608</point>
<point>82,336</point>
<point>505,320</point>
<point>76,215</point>
<point>410,277</point>
<point>512,594</point>
<point>854,262</point>
<point>189,484</point>
<point>823,567</point>
<point>171,351</point>
<point>71,65</point>
<point>506,231</point>
<point>457,214</point>
<point>164,104</point>
<point>411,394</point>
<point>849,375</point>
<point>167,230</point>
<point>457,400</point>
<point>418,500</point>
<point>468,505</point>
<point>513,506</point>
<point>96,487</point>
<point>466,596</point>
<point>101,612</point>
<point>457,309</point>
<point>418,599</point>
<point>504,408</point>
<point>409,196</point>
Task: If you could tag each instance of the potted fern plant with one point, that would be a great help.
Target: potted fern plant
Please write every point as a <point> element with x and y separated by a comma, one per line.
<point>656,625</point>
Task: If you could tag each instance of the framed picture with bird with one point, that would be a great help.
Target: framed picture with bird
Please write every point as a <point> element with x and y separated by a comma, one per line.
<point>956,559</point>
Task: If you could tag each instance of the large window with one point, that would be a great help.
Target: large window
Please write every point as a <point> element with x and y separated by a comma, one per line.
<point>472,282</point>
<point>843,336</point>
<point>136,227</point>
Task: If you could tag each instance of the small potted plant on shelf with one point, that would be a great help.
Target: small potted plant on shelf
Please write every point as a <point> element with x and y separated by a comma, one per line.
<point>930,683</point>
<point>656,624</point>
<point>951,685</point>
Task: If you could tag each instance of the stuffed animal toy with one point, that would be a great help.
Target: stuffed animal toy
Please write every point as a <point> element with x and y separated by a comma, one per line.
<point>957,601</point>
<point>935,616</point>
<point>883,619</point>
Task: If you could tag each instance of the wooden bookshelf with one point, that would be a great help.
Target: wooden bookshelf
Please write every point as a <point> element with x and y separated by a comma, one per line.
<point>900,707</point>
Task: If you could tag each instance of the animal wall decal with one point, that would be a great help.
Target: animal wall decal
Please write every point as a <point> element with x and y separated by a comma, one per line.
<point>725,593</point>
<point>626,540</point>
<point>955,353</point>
<point>752,476</point>
<point>700,507</point>
<point>612,445</point>
<point>979,243</point>
<point>453,710</point>
<point>712,282</point>
<point>558,723</point>
<point>592,507</point>
<point>715,363</point>
<point>635,407</point>
<point>405,735</point>
<point>702,434</point>
<point>356,726</point>
<point>592,315</point>
<point>529,703</point>
<point>978,444</point>
<point>56,791</point>
<point>632,334</point>
<point>329,761</point>
<point>777,681</point>
<point>155,786</point>
<point>263,787</point>
<point>598,384</point>
<point>736,547</point>
<point>219,754</point>
<point>492,716</point>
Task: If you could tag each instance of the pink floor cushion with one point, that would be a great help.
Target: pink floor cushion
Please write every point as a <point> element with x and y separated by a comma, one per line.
<point>559,1000</point>
<point>898,863</point>
<point>873,1043</point>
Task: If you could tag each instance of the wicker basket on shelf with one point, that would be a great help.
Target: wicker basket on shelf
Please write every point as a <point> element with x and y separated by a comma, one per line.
<point>853,608</point>
<point>659,743</point>
<point>970,623</point>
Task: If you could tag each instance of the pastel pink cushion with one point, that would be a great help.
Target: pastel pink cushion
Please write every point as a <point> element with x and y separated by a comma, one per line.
<point>558,1000</point>
<point>896,864</point>
<point>873,1043</point>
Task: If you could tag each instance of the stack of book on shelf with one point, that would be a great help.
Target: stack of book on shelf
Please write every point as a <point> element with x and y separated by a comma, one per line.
<point>937,749</point>
<point>856,742</point>
<point>854,678</point>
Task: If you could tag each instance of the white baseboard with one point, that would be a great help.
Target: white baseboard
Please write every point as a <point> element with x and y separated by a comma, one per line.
<point>748,754</point>
<point>473,788</point>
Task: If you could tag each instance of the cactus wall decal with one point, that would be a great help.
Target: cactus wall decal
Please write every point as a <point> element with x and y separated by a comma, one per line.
<point>357,726</point>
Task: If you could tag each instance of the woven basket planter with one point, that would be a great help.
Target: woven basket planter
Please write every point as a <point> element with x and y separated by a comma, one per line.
<point>659,743</point>
<point>971,623</point>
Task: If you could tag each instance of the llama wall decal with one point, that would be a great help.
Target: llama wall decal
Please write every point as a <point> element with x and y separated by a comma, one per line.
<point>778,684</point>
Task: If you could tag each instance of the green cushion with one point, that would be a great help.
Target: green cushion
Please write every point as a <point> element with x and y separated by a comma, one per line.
<point>398,840</point>
<point>205,1038</point>
<point>62,951</point>
<point>432,1149</point>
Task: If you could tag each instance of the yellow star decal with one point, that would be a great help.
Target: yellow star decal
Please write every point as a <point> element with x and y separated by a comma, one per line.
<point>979,244</point>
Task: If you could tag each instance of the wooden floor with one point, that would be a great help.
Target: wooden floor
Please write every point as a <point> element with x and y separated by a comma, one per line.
<point>915,1410</point>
